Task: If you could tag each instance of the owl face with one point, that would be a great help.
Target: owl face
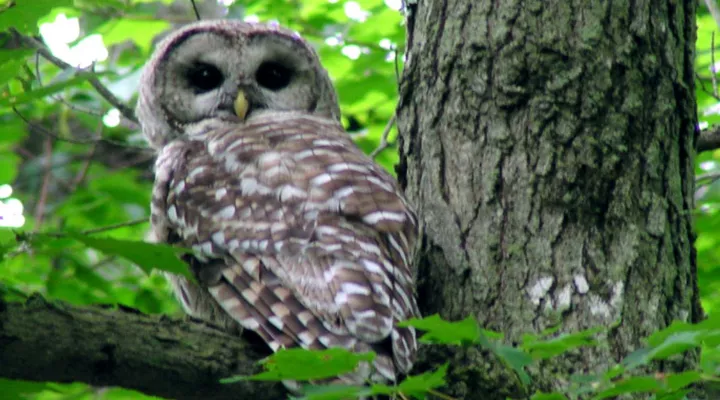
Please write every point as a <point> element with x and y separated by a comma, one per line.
<point>195,77</point>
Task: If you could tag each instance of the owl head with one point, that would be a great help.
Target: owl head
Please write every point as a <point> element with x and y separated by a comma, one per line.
<point>212,73</point>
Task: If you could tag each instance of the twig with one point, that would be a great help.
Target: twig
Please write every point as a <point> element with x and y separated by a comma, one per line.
<point>124,109</point>
<point>710,176</point>
<point>105,261</point>
<point>101,229</point>
<point>703,88</point>
<point>132,163</point>
<point>384,138</point>
<point>25,153</point>
<point>386,132</point>
<point>42,197</point>
<point>82,174</point>
<point>397,66</point>
<point>116,226</point>
<point>440,395</point>
<point>46,132</point>
<point>195,9</point>
<point>60,98</point>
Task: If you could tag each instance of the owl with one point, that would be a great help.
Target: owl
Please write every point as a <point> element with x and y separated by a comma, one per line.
<point>296,234</point>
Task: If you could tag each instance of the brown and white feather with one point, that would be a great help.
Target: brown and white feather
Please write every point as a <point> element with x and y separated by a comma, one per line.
<point>315,237</point>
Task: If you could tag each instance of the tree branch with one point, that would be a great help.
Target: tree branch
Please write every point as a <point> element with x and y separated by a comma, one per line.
<point>42,341</point>
<point>27,41</point>
<point>384,138</point>
<point>709,139</point>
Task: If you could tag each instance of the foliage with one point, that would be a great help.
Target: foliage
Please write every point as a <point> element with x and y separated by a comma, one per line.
<point>73,175</point>
<point>707,166</point>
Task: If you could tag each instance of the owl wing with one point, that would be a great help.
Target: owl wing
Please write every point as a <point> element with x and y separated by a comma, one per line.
<point>300,236</point>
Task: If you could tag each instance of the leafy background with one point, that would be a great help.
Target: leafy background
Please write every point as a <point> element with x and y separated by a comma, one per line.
<point>71,166</point>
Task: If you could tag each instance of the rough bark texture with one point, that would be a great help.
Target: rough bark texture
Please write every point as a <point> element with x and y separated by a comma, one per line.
<point>43,341</point>
<point>548,146</point>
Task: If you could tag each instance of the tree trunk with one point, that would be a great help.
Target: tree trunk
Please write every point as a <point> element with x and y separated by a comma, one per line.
<point>548,146</point>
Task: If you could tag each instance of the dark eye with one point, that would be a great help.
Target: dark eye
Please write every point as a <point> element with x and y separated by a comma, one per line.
<point>204,77</point>
<point>273,76</point>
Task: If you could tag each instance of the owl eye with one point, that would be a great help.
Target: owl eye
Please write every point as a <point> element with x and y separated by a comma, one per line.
<point>204,77</point>
<point>273,76</point>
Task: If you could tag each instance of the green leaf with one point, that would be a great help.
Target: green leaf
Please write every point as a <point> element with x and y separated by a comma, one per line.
<point>303,365</point>
<point>439,331</point>
<point>636,385</point>
<point>544,349</point>
<point>682,379</point>
<point>637,358</point>
<point>147,256</point>
<point>675,339</point>
<point>548,396</point>
<point>115,4</point>
<point>17,389</point>
<point>141,32</point>
<point>614,371</point>
<point>334,392</point>
<point>710,360</point>
<point>10,63</point>
<point>517,359</point>
<point>13,132</point>
<point>419,385</point>
<point>93,280</point>
<point>679,395</point>
<point>675,344</point>
<point>147,302</point>
<point>8,167</point>
<point>23,15</point>
<point>32,95</point>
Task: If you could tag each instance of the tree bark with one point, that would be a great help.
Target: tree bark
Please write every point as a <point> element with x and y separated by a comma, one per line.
<point>55,342</point>
<point>548,146</point>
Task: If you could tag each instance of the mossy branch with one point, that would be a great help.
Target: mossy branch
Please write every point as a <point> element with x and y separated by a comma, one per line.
<point>106,346</point>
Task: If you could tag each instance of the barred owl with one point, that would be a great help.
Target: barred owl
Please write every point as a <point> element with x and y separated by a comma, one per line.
<point>297,235</point>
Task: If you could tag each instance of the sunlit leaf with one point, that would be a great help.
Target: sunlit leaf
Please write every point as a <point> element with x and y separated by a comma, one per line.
<point>418,385</point>
<point>39,93</point>
<point>17,389</point>
<point>24,14</point>
<point>8,167</point>
<point>303,365</point>
<point>147,256</point>
<point>439,331</point>
<point>140,32</point>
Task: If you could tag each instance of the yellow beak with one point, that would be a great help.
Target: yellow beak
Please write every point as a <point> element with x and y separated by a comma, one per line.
<point>241,105</point>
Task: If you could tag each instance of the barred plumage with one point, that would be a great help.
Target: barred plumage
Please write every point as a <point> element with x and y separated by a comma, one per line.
<point>297,235</point>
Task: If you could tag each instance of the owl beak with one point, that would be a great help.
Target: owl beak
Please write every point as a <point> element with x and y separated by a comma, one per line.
<point>241,105</point>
